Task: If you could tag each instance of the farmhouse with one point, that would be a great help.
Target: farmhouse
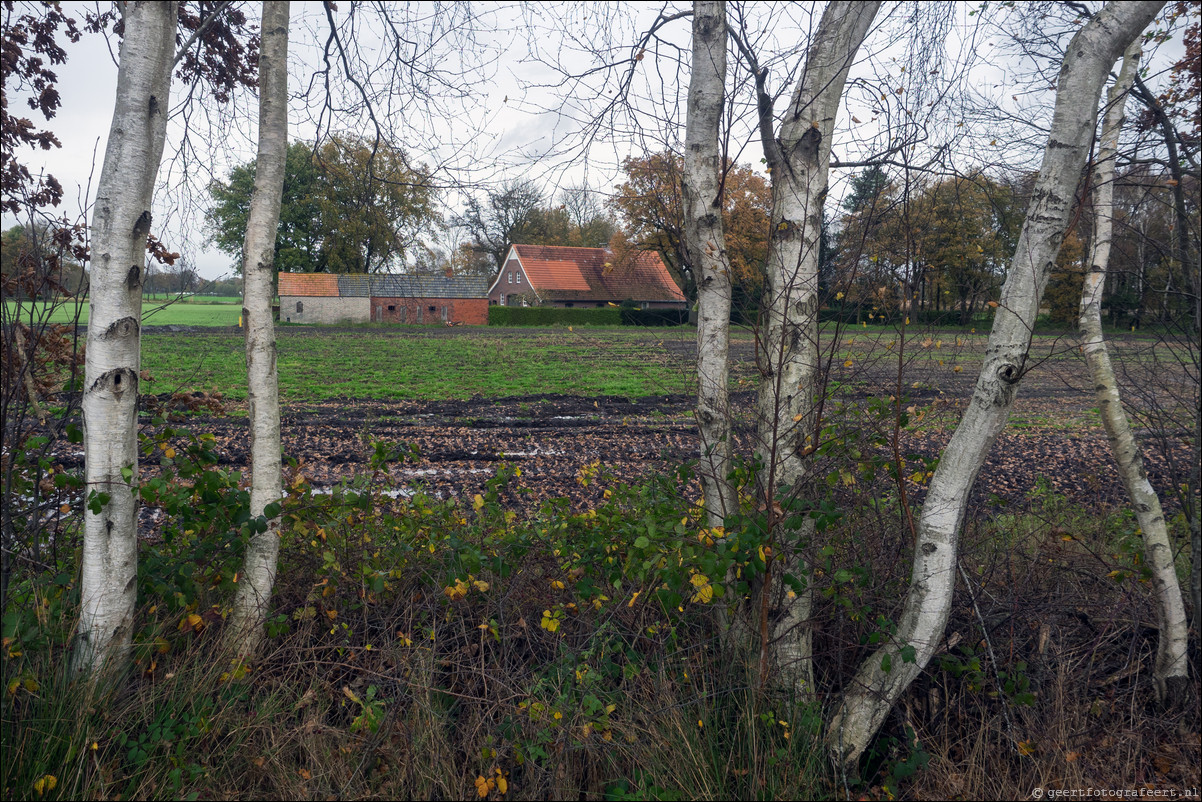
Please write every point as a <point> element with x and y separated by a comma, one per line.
<point>384,298</point>
<point>550,275</point>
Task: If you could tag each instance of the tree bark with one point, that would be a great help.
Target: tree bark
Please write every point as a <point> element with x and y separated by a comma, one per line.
<point>705,242</point>
<point>787,351</point>
<point>120,224</point>
<point>887,673</point>
<point>258,273</point>
<point>1171,672</point>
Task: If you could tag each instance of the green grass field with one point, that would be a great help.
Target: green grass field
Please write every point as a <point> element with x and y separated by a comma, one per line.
<point>194,311</point>
<point>393,364</point>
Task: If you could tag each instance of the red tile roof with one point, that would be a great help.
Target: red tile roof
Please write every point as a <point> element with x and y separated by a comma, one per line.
<point>309,285</point>
<point>589,274</point>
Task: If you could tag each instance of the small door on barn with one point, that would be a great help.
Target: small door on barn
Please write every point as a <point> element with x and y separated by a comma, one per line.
<point>419,314</point>
<point>444,315</point>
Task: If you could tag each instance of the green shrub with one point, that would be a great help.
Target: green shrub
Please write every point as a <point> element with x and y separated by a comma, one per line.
<point>552,316</point>
<point>654,317</point>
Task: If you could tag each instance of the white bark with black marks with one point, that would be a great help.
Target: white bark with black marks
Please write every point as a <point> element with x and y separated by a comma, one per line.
<point>886,674</point>
<point>1171,672</point>
<point>121,221</point>
<point>705,242</point>
<point>799,161</point>
<point>257,577</point>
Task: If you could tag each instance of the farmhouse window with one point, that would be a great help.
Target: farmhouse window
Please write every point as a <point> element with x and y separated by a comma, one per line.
<point>510,276</point>
<point>300,307</point>
<point>502,299</point>
<point>519,277</point>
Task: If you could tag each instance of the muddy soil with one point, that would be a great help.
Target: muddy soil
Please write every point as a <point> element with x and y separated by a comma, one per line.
<point>1054,435</point>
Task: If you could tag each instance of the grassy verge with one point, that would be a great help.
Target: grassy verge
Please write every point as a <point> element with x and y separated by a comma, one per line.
<point>422,647</point>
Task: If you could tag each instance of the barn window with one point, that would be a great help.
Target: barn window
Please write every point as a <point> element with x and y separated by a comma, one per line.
<point>431,309</point>
<point>300,307</point>
<point>568,304</point>
<point>391,308</point>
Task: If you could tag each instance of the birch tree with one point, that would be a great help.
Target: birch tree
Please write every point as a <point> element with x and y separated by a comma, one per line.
<point>705,241</point>
<point>120,224</point>
<point>258,272</point>
<point>886,674</point>
<point>1171,672</point>
<point>798,158</point>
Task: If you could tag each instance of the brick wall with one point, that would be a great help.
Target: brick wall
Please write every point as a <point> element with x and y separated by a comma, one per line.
<point>415,311</point>
<point>325,311</point>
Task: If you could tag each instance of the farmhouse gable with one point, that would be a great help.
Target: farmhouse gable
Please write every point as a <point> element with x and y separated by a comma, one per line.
<point>553,275</point>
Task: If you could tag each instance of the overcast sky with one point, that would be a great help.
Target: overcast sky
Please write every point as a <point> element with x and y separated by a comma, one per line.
<point>507,105</point>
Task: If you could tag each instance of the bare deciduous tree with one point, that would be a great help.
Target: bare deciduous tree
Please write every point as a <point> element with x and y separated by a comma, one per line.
<point>258,274</point>
<point>120,224</point>
<point>705,241</point>
<point>888,672</point>
<point>1171,673</point>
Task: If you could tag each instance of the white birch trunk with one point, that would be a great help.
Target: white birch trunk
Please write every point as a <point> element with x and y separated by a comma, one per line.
<point>799,160</point>
<point>258,272</point>
<point>874,690</point>
<point>705,241</point>
<point>1171,672</point>
<point>120,224</point>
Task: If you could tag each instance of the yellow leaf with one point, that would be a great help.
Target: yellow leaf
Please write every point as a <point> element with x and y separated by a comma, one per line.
<point>477,502</point>
<point>169,453</point>
<point>502,785</point>
<point>633,598</point>
<point>480,585</point>
<point>838,296</point>
<point>556,584</point>
<point>847,364</point>
<point>957,369</point>
<point>349,694</point>
<point>1026,748</point>
<point>704,594</point>
<point>993,304</point>
<point>331,614</point>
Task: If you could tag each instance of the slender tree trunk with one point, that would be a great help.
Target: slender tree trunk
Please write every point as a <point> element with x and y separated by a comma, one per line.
<point>1187,255</point>
<point>120,225</point>
<point>799,160</point>
<point>1171,673</point>
<point>706,244</point>
<point>886,674</point>
<point>258,273</point>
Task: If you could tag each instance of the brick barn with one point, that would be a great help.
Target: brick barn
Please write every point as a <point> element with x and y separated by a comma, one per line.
<point>550,275</point>
<point>325,298</point>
